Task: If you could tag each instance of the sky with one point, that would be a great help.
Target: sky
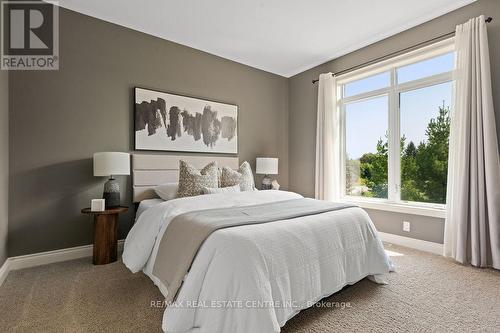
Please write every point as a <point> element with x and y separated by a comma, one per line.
<point>367,121</point>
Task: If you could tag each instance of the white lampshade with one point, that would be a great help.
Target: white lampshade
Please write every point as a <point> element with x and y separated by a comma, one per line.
<point>111,163</point>
<point>267,166</point>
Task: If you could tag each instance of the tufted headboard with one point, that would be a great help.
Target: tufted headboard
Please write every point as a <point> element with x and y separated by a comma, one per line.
<point>151,170</point>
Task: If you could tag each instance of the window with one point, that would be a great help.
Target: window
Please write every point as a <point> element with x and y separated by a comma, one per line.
<point>366,124</point>
<point>371,83</point>
<point>425,128</point>
<point>396,128</point>
<point>421,69</point>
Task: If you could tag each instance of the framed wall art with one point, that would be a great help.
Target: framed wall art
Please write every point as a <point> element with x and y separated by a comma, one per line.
<point>171,122</point>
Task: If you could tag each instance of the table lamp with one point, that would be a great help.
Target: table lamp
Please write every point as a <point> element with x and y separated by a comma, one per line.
<point>266,166</point>
<point>111,164</point>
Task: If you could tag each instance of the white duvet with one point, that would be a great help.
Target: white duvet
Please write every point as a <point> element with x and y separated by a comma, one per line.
<point>254,278</point>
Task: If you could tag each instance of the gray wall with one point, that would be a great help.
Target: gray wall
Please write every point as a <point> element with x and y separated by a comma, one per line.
<point>303,101</point>
<point>60,118</point>
<point>4,162</point>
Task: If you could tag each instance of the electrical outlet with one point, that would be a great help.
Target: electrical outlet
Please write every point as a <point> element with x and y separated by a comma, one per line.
<point>406,226</point>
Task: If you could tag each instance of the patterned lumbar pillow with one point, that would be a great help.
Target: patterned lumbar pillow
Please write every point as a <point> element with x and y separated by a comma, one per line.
<point>192,182</point>
<point>242,177</point>
<point>229,189</point>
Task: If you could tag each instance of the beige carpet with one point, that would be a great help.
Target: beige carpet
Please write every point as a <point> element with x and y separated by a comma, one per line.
<point>428,293</point>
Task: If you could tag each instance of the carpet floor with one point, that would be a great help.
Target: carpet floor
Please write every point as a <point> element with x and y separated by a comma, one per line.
<point>427,293</point>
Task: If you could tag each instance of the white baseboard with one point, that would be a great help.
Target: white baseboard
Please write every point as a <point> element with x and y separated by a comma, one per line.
<point>49,257</point>
<point>413,243</point>
<point>45,258</point>
<point>4,271</point>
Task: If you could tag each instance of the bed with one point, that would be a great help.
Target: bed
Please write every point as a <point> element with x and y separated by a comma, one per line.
<point>250,277</point>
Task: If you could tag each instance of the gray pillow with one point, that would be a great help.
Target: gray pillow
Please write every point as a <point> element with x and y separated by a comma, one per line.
<point>192,182</point>
<point>229,189</point>
<point>242,177</point>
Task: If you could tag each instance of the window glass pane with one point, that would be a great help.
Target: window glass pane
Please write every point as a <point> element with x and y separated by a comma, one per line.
<point>366,148</point>
<point>440,64</point>
<point>425,129</point>
<point>370,83</point>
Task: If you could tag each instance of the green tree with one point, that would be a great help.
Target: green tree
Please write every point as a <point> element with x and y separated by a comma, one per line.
<point>423,169</point>
<point>409,187</point>
<point>373,168</point>
<point>432,158</point>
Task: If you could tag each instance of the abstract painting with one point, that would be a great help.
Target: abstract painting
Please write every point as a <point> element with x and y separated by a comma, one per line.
<point>170,122</point>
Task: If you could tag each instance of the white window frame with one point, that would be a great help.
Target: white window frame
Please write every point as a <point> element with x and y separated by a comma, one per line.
<point>393,202</point>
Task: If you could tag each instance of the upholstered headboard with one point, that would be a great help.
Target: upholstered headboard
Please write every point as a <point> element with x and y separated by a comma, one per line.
<point>151,170</point>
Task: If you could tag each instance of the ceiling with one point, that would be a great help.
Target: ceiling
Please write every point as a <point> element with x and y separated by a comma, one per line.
<point>284,37</point>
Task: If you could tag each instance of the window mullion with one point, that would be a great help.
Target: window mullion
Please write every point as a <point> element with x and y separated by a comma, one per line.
<point>343,149</point>
<point>393,163</point>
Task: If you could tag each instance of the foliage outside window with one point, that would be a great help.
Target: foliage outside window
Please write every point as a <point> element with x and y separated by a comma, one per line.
<point>396,132</point>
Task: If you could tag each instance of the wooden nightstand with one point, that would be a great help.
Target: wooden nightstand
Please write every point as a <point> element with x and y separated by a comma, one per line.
<point>105,234</point>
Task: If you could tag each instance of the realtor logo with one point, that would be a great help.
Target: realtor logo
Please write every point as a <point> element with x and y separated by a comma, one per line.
<point>30,35</point>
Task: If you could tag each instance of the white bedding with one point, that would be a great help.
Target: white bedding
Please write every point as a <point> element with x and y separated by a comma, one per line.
<point>254,278</point>
<point>145,205</point>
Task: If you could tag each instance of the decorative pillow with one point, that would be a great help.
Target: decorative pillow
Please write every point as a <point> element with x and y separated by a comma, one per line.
<point>167,191</point>
<point>219,176</point>
<point>192,181</point>
<point>242,177</point>
<point>229,177</point>
<point>229,189</point>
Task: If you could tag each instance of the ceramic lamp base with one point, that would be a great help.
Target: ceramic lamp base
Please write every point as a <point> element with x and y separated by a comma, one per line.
<point>111,193</point>
<point>266,183</point>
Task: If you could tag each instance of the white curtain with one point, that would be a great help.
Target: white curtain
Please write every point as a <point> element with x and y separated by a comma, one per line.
<point>472,229</point>
<point>327,179</point>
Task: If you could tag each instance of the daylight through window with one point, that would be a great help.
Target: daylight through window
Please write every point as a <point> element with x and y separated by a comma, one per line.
<point>396,118</point>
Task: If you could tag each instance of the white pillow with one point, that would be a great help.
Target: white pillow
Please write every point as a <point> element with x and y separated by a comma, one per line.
<point>228,189</point>
<point>243,176</point>
<point>167,191</point>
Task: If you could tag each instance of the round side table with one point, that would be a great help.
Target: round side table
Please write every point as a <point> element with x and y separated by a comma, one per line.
<point>105,234</point>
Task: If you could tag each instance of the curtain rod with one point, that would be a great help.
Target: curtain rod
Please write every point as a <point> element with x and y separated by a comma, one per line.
<point>392,54</point>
